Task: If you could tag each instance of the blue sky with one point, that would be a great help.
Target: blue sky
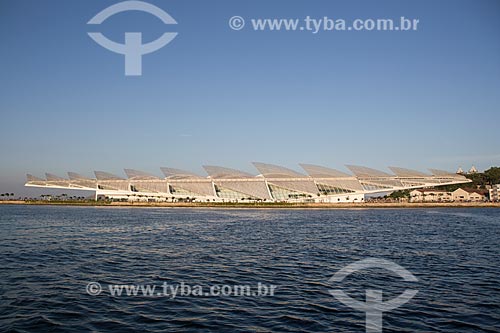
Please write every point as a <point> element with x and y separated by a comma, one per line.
<point>426,98</point>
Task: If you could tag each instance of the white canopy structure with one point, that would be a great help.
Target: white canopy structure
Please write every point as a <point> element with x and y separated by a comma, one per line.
<point>274,183</point>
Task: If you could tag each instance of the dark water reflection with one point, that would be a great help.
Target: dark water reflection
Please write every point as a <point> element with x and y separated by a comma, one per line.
<point>49,254</point>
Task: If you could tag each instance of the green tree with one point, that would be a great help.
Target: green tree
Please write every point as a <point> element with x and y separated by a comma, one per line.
<point>492,175</point>
<point>400,194</point>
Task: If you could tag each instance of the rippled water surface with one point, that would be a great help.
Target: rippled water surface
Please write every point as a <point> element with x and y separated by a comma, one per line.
<point>50,254</point>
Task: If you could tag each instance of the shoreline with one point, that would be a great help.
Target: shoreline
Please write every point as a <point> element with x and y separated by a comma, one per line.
<point>369,205</point>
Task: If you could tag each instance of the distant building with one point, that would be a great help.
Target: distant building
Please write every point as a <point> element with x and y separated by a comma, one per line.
<point>472,170</point>
<point>462,195</point>
<point>430,195</point>
<point>460,171</point>
<point>477,197</point>
<point>459,195</point>
<point>494,191</point>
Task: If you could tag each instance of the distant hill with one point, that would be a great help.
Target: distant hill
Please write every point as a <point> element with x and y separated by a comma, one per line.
<point>479,180</point>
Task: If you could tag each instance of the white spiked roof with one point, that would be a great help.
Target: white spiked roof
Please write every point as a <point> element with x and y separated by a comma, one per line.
<point>276,171</point>
<point>323,172</point>
<point>223,172</point>
<point>444,173</point>
<point>52,177</point>
<point>407,173</point>
<point>139,175</point>
<point>102,175</point>
<point>32,178</point>
<point>178,173</point>
<point>76,176</point>
<point>361,171</point>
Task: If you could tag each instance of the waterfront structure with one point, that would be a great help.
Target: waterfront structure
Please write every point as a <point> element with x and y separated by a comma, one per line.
<point>430,195</point>
<point>273,184</point>
<point>469,195</point>
<point>494,192</point>
<point>459,195</point>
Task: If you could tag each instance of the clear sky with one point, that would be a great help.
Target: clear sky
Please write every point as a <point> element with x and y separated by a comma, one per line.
<point>425,98</point>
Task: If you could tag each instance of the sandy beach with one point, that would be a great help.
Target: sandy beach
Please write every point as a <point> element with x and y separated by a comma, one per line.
<point>368,205</point>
